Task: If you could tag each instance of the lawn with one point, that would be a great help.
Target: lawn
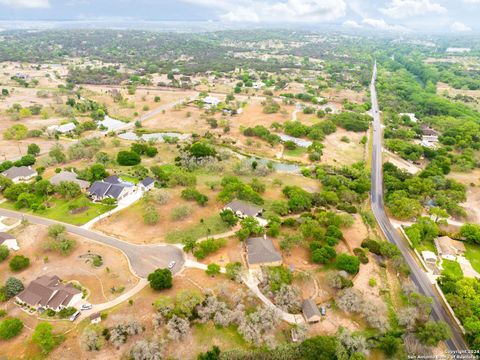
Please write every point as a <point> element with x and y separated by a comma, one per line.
<point>298,151</point>
<point>473,255</point>
<point>60,209</point>
<point>452,268</point>
<point>210,226</point>
<point>226,337</point>
<point>129,178</point>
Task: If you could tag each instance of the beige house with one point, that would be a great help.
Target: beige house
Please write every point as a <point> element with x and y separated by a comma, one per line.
<point>262,252</point>
<point>310,311</point>
<point>449,249</point>
<point>20,173</point>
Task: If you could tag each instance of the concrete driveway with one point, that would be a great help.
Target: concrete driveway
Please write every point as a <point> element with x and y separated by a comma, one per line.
<point>142,259</point>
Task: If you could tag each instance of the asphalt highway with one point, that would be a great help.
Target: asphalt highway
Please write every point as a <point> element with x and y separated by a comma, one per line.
<point>418,276</point>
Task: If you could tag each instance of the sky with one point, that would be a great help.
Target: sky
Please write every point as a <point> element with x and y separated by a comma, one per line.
<point>408,16</point>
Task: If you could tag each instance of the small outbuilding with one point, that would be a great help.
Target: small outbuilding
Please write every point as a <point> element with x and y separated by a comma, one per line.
<point>146,184</point>
<point>310,311</point>
<point>449,249</point>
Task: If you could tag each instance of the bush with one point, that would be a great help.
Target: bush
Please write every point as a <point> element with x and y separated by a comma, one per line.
<point>360,253</point>
<point>207,247</point>
<point>232,270</point>
<point>229,217</point>
<point>181,212</point>
<point>19,262</point>
<point>160,279</point>
<point>10,328</point>
<point>13,286</point>
<point>4,252</point>
<point>349,263</point>
<point>128,158</point>
<point>66,312</point>
<point>213,269</point>
<point>194,194</point>
<point>43,337</point>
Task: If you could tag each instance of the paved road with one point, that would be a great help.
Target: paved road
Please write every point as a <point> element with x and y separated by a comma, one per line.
<point>417,274</point>
<point>143,259</point>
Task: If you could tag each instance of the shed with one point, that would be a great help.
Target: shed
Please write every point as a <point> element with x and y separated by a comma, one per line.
<point>310,311</point>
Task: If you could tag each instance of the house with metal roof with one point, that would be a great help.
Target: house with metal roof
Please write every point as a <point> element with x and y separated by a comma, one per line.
<point>262,252</point>
<point>62,129</point>
<point>69,176</point>
<point>48,292</point>
<point>310,311</point>
<point>9,241</point>
<point>20,173</point>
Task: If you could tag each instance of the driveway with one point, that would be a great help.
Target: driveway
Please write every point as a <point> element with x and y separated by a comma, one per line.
<point>142,259</point>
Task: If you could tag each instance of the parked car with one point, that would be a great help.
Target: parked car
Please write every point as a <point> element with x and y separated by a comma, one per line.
<point>86,306</point>
<point>172,264</point>
<point>323,310</point>
<point>74,316</point>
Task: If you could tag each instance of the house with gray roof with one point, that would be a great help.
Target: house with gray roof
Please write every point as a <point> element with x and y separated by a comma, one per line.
<point>20,173</point>
<point>243,208</point>
<point>262,252</point>
<point>310,311</point>
<point>111,187</point>
<point>9,241</point>
<point>146,184</point>
<point>48,292</point>
<point>69,176</point>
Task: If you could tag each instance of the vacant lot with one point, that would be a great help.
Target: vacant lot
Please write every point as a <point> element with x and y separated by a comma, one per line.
<point>471,180</point>
<point>338,152</point>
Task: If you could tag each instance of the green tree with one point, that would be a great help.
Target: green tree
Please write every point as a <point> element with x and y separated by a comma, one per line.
<point>349,263</point>
<point>389,344</point>
<point>56,231</point>
<point>68,189</point>
<point>232,270</point>
<point>228,217</point>
<point>319,348</point>
<point>213,354</point>
<point>128,158</point>
<point>33,149</point>
<point>44,338</point>
<point>323,255</point>
<point>431,333</point>
<point>186,301</point>
<point>13,286</point>
<point>19,262</point>
<point>10,328</point>
<point>160,279</point>
<point>213,269</point>
<point>471,233</point>
<point>56,152</point>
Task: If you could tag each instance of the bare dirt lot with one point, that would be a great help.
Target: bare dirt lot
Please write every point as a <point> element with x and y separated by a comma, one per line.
<point>338,152</point>
<point>472,205</point>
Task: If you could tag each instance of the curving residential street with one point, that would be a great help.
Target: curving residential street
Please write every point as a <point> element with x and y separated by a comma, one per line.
<point>418,276</point>
<point>143,259</point>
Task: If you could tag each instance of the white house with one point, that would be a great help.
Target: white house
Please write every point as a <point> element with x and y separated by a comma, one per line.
<point>9,241</point>
<point>412,116</point>
<point>211,101</point>
<point>20,173</point>
<point>62,129</point>
<point>258,85</point>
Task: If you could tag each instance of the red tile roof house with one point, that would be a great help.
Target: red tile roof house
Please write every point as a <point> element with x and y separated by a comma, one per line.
<point>48,292</point>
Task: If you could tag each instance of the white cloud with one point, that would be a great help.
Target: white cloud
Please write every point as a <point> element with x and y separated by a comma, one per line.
<point>458,26</point>
<point>380,24</point>
<point>32,4</point>
<point>472,1</point>
<point>399,9</point>
<point>277,10</point>
<point>351,24</point>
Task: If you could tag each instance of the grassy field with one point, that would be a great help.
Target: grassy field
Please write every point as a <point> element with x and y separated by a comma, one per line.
<point>298,151</point>
<point>228,337</point>
<point>473,255</point>
<point>210,226</point>
<point>60,209</point>
<point>452,268</point>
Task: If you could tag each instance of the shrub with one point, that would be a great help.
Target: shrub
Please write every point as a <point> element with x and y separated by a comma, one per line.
<point>160,279</point>
<point>229,217</point>
<point>10,328</point>
<point>194,194</point>
<point>207,247</point>
<point>4,252</point>
<point>232,270</point>
<point>19,262</point>
<point>213,269</point>
<point>13,286</point>
<point>43,337</point>
<point>349,263</point>
<point>181,212</point>
<point>360,253</point>
<point>66,312</point>
<point>128,158</point>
